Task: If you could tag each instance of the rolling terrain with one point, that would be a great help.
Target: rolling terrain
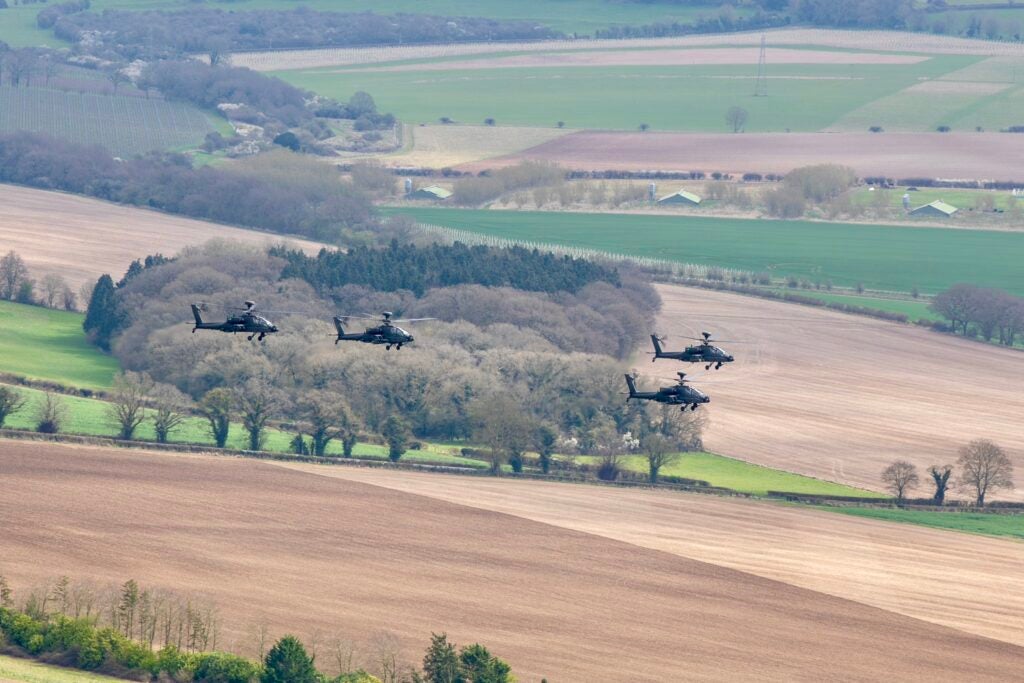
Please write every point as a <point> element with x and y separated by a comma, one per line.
<point>81,238</point>
<point>840,397</point>
<point>309,553</point>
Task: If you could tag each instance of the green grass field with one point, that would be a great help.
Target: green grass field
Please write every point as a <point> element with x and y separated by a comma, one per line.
<point>740,476</point>
<point>914,310</point>
<point>962,199</point>
<point>124,125</point>
<point>682,98</point>
<point>44,344</point>
<point>27,671</point>
<point>881,257</point>
<point>1011,526</point>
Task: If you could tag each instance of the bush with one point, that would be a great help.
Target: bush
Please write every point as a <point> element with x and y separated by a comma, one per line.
<point>609,469</point>
<point>220,667</point>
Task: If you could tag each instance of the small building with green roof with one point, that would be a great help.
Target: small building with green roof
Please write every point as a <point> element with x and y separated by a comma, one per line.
<point>938,208</point>
<point>432,192</point>
<point>681,197</point>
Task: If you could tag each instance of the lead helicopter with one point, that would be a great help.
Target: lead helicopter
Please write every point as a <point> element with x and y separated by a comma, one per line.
<point>705,352</point>
<point>680,395</point>
<point>386,332</point>
<point>248,322</point>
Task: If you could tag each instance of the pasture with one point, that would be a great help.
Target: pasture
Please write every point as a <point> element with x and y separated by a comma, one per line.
<point>125,125</point>
<point>675,94</point>
<point>739,476</point>
<point>880,257</point>
<point>914,309</point>
<point>14,670</point>
<point>307,554</point>
<point>44,344</point>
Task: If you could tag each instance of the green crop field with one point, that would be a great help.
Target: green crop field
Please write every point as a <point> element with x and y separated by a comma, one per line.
<point>741,476</point>
<point>28,671</point>
<point>962,199</point>
<point>914,310</point>
<point>681,98</point>
<point>124,125</point>
<point>881,257</point>
<point>44,344</point>
<point>1011,526</point>
<point>18,22</point>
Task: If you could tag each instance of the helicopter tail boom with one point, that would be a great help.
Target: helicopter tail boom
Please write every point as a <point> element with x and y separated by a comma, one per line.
<point>657,345</point>
<point>631,383</point>
<point>198,316</point>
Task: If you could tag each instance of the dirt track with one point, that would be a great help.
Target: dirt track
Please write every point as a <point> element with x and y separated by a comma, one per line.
<point>308,552</point>
<point>900,155</point>
<point>839,396</point>
<point>82,238</point>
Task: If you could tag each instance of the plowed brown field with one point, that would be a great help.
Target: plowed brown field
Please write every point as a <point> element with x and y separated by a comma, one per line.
<point>305,552</point>
<point>82,238</point>
<point>839,396</point>
<point>898,155</point>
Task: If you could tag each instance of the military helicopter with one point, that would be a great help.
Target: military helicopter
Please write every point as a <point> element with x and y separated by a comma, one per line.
<point>680,395</point>
<point>385,333</point>
<point>248,321</point>
<point>705,352</point>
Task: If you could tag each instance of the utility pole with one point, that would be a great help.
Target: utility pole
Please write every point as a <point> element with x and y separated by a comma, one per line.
<point>761,86</point>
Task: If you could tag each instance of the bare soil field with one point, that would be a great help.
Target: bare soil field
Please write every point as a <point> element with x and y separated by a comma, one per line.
<point>667,57</point>
<point>885,41</point>
<point>930,155</point>
<point>309,553</point>
<point>443,146</point>
<point>891,566</point>
<point>81,238</point>
<point>838,396</point>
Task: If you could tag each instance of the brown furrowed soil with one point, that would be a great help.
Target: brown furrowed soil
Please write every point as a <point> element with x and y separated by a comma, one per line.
<point>898,155</point>
<point>81,238</point>
<point>930,574</point>
<point>308,553</point>
<point>839,396</point>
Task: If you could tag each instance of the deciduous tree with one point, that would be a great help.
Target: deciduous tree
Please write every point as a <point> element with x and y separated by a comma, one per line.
<point>984,468</point>
<point>216,406</point>
<point>170,410</point>
<point>940,477</point>
<point>900,477</point>
<point>13,274</point>
<point>11,401</point>
<point>128,398</point>
<point>660,453</point>
<point>736,117</point>
<point>396,433</point>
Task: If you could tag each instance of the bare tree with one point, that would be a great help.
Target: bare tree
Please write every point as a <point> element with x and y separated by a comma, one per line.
<point>127,407</point>
<point>660,453</point>
<point>736,117</point>
<point>501,424</point>
<point>900,477</point>
<point>68,299</point>
<point>984,468</point>
<point>940,476</point>
<point>169,410</point>
<point>13,274</point>
<point>386,649</point>
<point>117,78</point>
<point>53,286</point>
<point>343,651</point>
<point>11,401</point>
<point>51,414</point>
<point>258,402</point>
<point>328,418</point>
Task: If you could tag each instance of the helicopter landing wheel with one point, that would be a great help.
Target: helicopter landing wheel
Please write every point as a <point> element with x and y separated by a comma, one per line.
<point>693,407</point>
<point>249,338</point>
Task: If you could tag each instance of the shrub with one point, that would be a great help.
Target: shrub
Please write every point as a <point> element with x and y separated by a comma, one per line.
<point>220,667</point>
<point>609,469</point>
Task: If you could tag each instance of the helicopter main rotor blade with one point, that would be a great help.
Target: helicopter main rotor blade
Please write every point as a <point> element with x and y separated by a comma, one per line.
<point>410,320</point>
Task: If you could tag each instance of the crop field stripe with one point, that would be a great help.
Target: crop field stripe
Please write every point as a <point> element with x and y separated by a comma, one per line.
<point>987,524</point>
<point>883,258</point>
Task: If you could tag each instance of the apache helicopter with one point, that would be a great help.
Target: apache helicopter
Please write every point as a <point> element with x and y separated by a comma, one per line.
<point>680,395</point>
<point>248,321</point>
<point>705,352</point>
<point>385,333</point>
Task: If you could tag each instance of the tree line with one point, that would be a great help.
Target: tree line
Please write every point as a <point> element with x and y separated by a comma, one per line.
<point>984,469</point>
<point>155,34</point>
<point>18,285</point>
<point>274,192</point>
<point>417,269</point>
<point>145,634</point>
<point>986,312</point>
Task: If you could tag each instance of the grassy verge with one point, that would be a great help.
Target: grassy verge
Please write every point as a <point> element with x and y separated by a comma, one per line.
<point>49,345</point>
<point>27,671</point>
<point>885,258</point>
<point>1011,526</point>
<point>91,417</point>
<point>914,310</point>
<point>740,476</point>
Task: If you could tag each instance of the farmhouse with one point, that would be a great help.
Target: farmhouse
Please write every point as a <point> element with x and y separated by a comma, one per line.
<point>937,208</point>
<point>681,197</point>
<point>432,192</point>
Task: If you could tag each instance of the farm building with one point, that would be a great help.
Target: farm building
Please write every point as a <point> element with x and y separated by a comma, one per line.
<point>937,208</point>
<point>432,192</point>
<point>681,197</point>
